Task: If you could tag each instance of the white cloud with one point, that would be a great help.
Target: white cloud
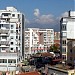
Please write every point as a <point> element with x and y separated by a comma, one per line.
<point>27,21</point>
<point>45,19</point>
<point>36,12</point>
<point>65,14</point>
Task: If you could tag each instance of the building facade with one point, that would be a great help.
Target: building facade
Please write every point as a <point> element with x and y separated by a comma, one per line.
<point>57,39</point>
<point>67,31</point>
<point>11,38</point>
<point>71,51</point>
<point>38,40</point>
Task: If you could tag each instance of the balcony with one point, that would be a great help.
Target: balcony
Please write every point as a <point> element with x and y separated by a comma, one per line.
<point>4,34</point>
<point>5,16</point>
<point>10,55</point>
<point>4,31</point>
<point>12,64</point>
<point>3,51</point>
<point>4,42</point>
<point>4,46</point>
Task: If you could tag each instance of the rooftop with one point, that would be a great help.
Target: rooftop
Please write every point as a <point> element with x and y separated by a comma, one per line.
<point>45,54</point>
<point>29,73</point>
<point>62,67</point>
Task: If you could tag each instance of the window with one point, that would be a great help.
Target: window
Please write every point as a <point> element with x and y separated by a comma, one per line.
<point>12,31</point>
<point>5,14</point>
<point>16,37</point>
<point>3,48</point>
<point>12,26</point>
<point>64,34</point>
<point>64,57</point>
<point>7,19</point>
<point>16,31</point>
<point>11,37</point>
<point>4,37</point>
<point>16,48</point>
<point>11,48</point>
<point>63,27</point>
<point>3,60</point>
<point>64,50</point>
<point>64,42</point>
<point>35,37</point>
<point>13,15</point>
<point>71,50</point>
<point>19,59</point>
<point>11,43</point>
<point>18,16</point>
<point>14,61</point>
<point>1,25</point>
<point>11,60</point>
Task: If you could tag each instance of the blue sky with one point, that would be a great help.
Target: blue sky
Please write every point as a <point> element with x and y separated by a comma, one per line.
<point>45,8</point>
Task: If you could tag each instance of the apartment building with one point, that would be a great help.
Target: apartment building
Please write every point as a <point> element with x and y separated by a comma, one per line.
<point>38,40</point>
<point>11,38</point>
<point>67,31</point>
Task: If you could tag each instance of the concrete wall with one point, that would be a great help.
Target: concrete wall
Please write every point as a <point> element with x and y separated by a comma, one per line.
<point>58,71</point>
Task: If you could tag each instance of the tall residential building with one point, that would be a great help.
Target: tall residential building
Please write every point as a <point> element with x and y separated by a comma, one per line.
<point>67,31</point>
<point>11,38</point>
<point>38,40</point>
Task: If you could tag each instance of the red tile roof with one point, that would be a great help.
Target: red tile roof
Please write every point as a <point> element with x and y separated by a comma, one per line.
<point>57,59</point>
<point>46,54</point>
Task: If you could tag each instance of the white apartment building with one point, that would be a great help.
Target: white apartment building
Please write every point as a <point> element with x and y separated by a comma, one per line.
<point>38,40</point>
<point>11,38</point>
<point>67,31</point>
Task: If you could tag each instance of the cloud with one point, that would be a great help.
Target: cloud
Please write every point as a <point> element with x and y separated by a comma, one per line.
<point>45,20</point>
<point>65,14</point>
<point>36,12</point>
<point>27,21</point>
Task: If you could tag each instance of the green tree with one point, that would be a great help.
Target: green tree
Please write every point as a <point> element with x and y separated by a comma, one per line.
<point>54,48</point>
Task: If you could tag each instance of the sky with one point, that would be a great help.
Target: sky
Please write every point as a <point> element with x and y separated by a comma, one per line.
<point>41,13</point>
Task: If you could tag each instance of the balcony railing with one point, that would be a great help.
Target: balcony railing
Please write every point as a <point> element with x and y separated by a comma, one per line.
<point>4,42</point>
<point>4,34</point>
<point>8,54</point>
<point>4,31</point>
<point>5,16</point>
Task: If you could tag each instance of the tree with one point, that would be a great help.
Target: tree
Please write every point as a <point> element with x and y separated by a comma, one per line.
<point>54,48</point>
